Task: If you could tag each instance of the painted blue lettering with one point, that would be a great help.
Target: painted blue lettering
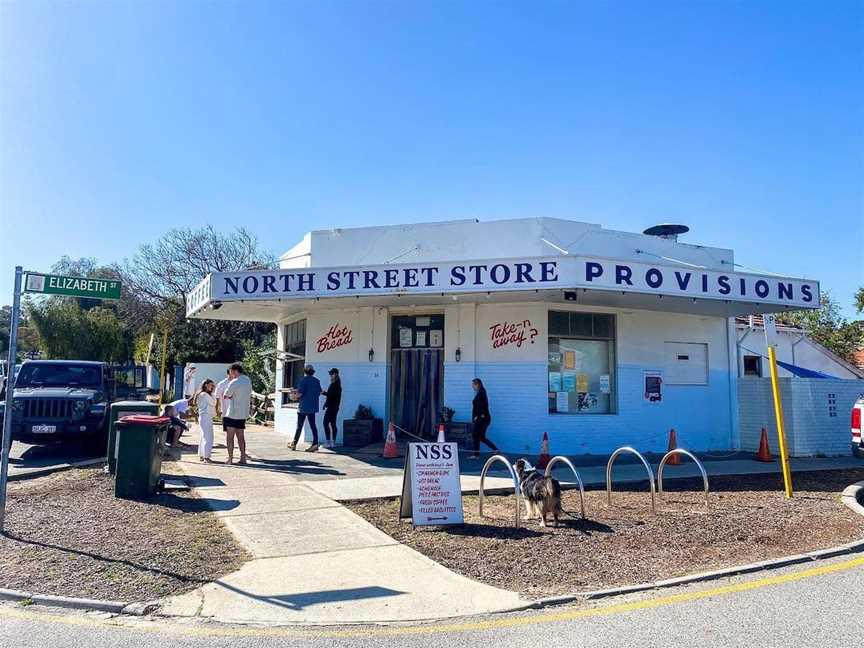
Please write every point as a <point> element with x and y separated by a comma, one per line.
<point>742,284</point>
<point>654,278</point>
<point>231,285</point>
<point>333,281</point>
<point>457,275</point>
<point>762,288</point>
<point>286,281</point>
<point>476,270</point>
<point>523,273</point>
<point>784,291</point>
<point>430,275</point>
<point>411,278</point>
<point>704,283</point>
<point>250,285</point>
<point>683,281</point>
<point>593,270</point>
<point>623,275</point>
<point>370,279</point>
<point>352,275</point>
<point>391,278</point>
<point>806,293</point>
<point>500,273</point>
<point>269,283</point>
<point>305,281</point>
<point>723,282</point>
<point>548,271</point>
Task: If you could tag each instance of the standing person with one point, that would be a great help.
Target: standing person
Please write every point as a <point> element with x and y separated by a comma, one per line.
<point>189,380</point>
<point>219,394</point>
<point>332,401</point>
<point>310,392</point>
<point>206,411</point>
<point>480,416</point>
<point>238,397</point>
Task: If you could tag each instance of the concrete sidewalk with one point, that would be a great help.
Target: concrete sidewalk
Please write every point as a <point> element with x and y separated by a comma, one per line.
<point>315,562</point>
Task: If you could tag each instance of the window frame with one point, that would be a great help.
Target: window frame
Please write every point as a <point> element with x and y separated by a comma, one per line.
<point>294,342</point>
<point>612,342</point>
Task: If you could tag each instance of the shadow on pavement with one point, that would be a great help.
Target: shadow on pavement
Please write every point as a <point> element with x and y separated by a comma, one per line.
<point>303,600</point>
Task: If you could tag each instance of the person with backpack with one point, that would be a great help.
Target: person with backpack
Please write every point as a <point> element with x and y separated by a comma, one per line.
<point>309,392</point>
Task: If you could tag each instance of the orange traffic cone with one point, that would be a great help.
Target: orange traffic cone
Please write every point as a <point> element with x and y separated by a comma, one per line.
<point>764,453</point>
<point>675,459</point>
<point>441,438</point>
<point>391,450</point>
<point>544,457</point>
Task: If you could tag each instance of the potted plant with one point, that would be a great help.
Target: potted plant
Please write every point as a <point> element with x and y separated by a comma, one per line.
<point>454,430</point>
<point>363,429</point>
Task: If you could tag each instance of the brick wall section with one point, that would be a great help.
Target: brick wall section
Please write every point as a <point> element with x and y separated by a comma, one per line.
<point>813,426</point>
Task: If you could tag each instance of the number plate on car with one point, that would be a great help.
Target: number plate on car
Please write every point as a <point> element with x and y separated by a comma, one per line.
<point>44,429</point>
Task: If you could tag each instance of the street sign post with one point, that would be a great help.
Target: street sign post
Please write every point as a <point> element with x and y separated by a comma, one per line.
<point>88,287</point>
<point>10,387</point>
<point>46,284</point>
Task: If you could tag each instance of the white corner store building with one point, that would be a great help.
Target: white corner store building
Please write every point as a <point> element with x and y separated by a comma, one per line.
<point>600,338</point>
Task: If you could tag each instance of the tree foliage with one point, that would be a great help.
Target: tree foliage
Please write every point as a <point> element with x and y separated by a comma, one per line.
<point>859,300</point>
<point>827,327</point>
<point>68,331</point>
<point>259,362</point>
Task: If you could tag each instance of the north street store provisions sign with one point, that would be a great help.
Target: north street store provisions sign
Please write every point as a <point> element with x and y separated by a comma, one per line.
<point>431,490</point>
<point>91,288</point>
<point>541,273</point>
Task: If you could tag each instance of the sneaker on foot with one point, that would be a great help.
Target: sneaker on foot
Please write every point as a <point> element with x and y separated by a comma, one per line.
<point>292,446</point>
<point>312,448</point>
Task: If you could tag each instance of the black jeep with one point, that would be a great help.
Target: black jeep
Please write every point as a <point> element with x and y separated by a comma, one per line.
<point>56,400</point>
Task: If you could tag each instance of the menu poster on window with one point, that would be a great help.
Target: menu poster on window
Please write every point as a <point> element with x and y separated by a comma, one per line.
<point>562,401</point>
<point>569,359</point>
<point>554,381</point>
<point>422,321</point>
<point>406,337</point>
<point>436,338</point>
<point>604,383</point>
<point>653,386</point>
<point>568,381</point>
<point>582,383</point>
<point>421,338</point>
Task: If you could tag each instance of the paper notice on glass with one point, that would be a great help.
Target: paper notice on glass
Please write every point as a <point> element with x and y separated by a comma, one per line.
<point>568,383</point>
<point>604,383</point>
<point>421,338</point>
<point>554,381</point>
<point>436,337</point>
<point>406,337</point>
<point>582,383</point>
<point>562,401</point>
<point>569,359</point>
<point>422,321</point>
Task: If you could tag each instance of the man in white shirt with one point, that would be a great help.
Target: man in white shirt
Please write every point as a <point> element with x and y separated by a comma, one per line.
<point>238,399</point>
<point>219,393</point>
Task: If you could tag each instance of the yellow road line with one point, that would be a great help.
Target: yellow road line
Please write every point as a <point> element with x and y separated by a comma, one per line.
<point>443,627</point>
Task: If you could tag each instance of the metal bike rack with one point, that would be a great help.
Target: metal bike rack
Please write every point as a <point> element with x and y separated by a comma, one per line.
<point>565,460</point>
<point>698,464</point>
<point>609,473</point>
<point>518,494</point>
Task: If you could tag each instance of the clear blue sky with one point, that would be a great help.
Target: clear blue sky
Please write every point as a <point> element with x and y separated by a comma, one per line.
<point>119,120</point>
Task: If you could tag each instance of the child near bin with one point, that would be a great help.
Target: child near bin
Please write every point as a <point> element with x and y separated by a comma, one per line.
<point>176,426</point>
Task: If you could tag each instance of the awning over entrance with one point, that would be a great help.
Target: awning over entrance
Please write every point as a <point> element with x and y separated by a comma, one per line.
<point>270,295</point>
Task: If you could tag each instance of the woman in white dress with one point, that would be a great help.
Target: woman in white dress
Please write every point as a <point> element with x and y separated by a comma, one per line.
<point>206,403</point>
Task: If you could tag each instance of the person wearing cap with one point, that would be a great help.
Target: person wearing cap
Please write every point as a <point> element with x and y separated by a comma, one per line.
<point>309,392</point>
<point>332,400</point>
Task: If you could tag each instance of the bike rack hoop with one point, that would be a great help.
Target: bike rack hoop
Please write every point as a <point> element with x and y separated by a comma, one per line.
<point>612,459</point>
<point>493,459</point>
<point>565,460</point>
<point>687,453</point>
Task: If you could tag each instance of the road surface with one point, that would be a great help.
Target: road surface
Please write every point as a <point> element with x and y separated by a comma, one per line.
<point>818,604</point>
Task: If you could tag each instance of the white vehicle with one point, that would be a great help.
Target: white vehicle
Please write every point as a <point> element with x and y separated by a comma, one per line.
<point>857,436</point>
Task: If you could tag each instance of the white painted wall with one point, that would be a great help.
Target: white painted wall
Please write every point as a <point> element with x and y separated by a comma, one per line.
<point>470,239</point>
<point>794,348</point>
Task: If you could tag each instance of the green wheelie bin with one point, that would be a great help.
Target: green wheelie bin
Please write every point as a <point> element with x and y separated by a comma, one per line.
<point>118,411</point>
<point>140,439</point>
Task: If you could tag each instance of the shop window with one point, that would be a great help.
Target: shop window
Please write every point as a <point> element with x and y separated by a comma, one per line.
<point>295,357</point>
<point>686,363</point>
<point>752,365</point>
<point>417,332</point>
<point>581,363</point>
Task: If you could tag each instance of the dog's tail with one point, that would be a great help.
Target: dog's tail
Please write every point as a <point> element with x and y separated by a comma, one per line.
<point>553,490</point>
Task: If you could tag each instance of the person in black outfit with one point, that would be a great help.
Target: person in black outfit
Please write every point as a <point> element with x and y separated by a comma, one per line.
<point>331,406</point>
<point>480,416</point>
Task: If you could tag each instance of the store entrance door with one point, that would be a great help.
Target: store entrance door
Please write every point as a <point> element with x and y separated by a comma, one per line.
<point>417,373</point>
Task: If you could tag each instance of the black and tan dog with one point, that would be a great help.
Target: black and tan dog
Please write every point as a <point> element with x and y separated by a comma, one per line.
<point>542,494</point>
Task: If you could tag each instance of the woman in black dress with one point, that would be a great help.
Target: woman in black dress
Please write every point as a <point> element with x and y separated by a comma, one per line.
<point>480,416</point>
